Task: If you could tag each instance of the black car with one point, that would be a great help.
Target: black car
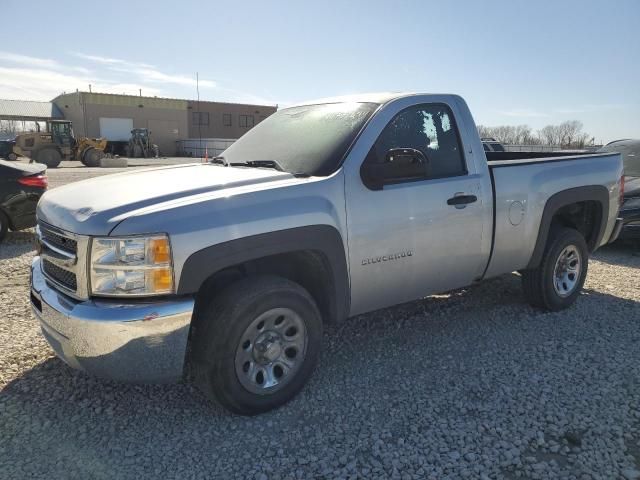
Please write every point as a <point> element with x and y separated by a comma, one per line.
<point>6,149</point>
<point>630,210</point>
<point>21,186</point>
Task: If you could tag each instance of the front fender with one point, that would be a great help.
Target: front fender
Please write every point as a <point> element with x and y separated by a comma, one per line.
<point>325,239</point>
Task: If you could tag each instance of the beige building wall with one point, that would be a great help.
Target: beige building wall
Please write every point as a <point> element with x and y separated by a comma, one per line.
<point>166,118</point>
<point>224,120</point>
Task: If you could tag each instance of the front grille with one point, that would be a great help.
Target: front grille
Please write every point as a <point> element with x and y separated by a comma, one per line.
<point>64,243</point>
<point>63,277</point>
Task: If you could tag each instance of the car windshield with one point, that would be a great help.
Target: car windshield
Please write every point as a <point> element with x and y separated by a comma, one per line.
<point>632,163</point>
<point>630,150</point>
<point>308,140</point>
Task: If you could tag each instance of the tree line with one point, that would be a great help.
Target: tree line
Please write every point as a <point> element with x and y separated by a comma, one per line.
<point>568,134</point>
<point>9,127</point>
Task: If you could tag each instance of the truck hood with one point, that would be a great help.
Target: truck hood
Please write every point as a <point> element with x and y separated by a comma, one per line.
<point>97,205</point>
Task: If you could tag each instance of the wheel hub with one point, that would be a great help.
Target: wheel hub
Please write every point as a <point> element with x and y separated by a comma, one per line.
<point>267,348</point>
<point>567,271</point>
<point>271,351</point>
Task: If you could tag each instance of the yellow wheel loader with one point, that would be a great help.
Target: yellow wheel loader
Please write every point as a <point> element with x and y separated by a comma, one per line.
<point>58,143</point>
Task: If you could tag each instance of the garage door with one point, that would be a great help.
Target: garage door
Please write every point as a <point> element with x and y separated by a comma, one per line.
<point>116,129</point>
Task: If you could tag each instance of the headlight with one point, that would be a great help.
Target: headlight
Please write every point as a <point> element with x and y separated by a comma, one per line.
<point>631,204</point>
<point>133,266</point>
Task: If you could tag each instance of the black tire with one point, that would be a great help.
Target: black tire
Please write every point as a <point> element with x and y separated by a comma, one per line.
<point>224,324</point>
<point>539,283</point>
<point>49,156</point>
<point>91,157</point>
<point>4,225</point>
<point>12,157</point>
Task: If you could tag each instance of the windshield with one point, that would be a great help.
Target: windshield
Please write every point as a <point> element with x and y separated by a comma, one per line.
<point>309,140</point>
<point>630,150</point>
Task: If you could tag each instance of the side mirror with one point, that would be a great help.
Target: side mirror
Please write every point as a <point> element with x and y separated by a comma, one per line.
<point>400,164</point>
<point>405,156</point>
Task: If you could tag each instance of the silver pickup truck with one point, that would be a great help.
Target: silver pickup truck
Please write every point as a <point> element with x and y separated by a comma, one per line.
<point>228,270</point>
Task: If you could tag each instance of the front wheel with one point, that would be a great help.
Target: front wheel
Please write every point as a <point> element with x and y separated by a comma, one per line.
<point>257,344</point>
<point>91,157</point>
<point>556,283</point>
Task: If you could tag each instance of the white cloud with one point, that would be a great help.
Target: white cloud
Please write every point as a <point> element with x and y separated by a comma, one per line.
<point>145,71</point>
<point>32,78</point>
<point>589,107</point>
<point>522,112</point>
<point>28,61</point>
<point>112,61</point>
<point>42,84</point>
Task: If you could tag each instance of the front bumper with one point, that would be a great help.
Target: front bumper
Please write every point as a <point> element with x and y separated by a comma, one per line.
<point>130,341</point>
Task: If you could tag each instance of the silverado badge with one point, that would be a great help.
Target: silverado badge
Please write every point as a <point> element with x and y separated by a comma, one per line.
<point>387,258</point>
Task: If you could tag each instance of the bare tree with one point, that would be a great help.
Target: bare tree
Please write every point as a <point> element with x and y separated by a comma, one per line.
<point>519,134</point>
<point>8,128</point>
<point>549,135</point>
<point>568,134</point>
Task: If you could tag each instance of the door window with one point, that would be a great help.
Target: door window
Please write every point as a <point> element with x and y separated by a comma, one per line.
<point>424,136</point>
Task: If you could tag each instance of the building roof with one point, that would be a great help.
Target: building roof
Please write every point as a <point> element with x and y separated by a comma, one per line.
<point>162,102</point>
<point>28,110</point>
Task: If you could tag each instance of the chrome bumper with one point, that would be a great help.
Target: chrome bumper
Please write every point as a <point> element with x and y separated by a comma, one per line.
<point>132,341</point>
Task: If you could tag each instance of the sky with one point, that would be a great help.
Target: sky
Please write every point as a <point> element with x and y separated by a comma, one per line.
<point>514,61</point>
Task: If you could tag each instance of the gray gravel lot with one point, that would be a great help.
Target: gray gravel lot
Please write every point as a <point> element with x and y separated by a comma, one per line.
<point>472,384</point>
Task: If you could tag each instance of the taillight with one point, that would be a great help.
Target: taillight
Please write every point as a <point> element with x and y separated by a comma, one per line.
<point>39,181</point>
<point>621,199</point>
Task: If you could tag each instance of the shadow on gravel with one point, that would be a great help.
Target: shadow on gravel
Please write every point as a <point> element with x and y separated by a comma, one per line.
<point>625,254</point>
<point>407,372</point>
<point>17,243</point>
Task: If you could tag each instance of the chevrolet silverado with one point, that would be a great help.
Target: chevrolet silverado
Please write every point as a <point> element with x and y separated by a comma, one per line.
<point>228,270</point>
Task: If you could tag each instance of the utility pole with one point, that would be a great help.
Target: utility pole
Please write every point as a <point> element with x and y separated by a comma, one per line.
<point>199,115</point>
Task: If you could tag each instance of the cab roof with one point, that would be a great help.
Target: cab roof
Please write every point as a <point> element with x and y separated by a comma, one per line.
<point>379,98</point>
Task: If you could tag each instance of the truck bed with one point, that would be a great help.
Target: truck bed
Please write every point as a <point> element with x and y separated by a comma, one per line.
<point>522,187</point>
<point>499,157</point>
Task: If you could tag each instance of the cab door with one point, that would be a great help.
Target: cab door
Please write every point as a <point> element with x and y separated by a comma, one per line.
<point>415,210</point>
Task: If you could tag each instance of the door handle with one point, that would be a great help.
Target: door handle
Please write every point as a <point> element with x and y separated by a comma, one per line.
<point>460,200</point>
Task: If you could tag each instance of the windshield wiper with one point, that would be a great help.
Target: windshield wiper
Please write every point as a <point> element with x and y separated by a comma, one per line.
<point>259,164</point>
<point>264,164</point>
<point>219,159</point>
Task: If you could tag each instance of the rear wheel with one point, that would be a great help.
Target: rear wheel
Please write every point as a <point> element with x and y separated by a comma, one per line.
<point>4,225</point>
<point>12,157</point>
<point>257,344</point>
<point>556,283</point>
<point>49,156</point>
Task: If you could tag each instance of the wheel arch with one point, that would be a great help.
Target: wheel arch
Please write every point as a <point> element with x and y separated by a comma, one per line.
<point>312,256</point>
<point>583,208</point>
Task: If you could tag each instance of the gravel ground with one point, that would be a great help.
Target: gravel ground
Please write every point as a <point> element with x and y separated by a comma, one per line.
<point>472,384</point>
